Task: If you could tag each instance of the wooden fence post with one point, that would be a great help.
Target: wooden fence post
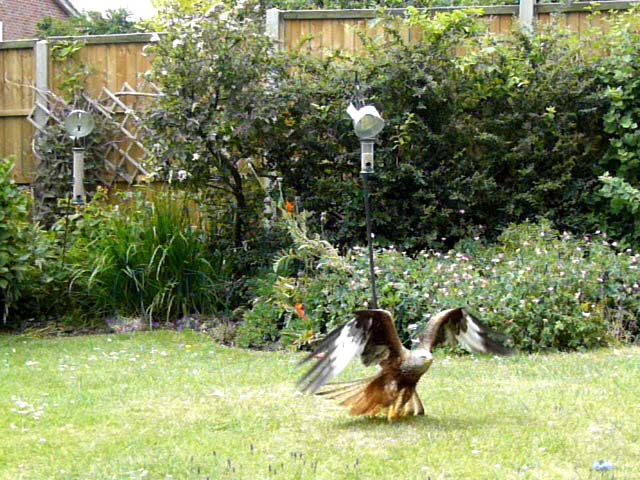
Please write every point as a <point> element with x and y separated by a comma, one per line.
<point>273,25</point>
<point>42,82</point>
<point>526,12</point>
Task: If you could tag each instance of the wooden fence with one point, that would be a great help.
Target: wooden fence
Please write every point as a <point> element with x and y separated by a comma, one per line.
<point>26,66</point>
<point>321,31</point>
<point>16,101</point>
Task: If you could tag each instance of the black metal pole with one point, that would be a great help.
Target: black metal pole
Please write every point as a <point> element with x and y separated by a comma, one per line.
<point>367,212</point>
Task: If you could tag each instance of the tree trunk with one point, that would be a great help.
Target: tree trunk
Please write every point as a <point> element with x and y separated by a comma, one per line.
<point>241,208</point>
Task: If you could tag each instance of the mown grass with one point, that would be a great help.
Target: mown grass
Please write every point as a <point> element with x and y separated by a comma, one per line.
<point>174,405</point>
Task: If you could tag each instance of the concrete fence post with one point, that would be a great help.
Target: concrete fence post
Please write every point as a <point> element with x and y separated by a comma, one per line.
<point>42,82</point>
<point>526,14</point>
<point>273,25</point>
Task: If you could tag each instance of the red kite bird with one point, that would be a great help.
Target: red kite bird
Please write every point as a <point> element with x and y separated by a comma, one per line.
<point>373,336</point>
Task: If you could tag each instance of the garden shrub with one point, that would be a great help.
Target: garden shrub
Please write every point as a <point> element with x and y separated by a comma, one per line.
<point>260,327</point>
<point>481,131</point>
<point>14,227</point>
<point>276,312</point>
<point>44,295</point>
<point>213,126</point>
<point>544,289</point>
<point>27,256</point>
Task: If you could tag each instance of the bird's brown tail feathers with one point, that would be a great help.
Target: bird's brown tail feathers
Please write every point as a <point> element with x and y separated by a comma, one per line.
<point>371,396</point>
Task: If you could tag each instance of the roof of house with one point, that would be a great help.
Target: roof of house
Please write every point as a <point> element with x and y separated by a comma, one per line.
<point>68,7</point>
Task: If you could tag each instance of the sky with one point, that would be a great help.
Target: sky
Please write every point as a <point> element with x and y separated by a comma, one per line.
<point>139,8</point>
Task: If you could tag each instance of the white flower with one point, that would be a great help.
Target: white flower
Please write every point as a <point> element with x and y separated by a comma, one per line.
<point>154,37</point>
<point>196,156</point>
<point>22,404</point>
<point>177,42</point>
<point>182,175</point>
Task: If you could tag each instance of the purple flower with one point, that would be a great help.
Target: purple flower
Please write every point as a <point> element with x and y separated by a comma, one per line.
<point>602,466</point>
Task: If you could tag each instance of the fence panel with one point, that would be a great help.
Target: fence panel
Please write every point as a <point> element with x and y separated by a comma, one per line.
<point>322,31</point>
<point>16,101</point>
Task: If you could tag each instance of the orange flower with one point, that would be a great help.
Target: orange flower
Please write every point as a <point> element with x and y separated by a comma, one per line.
<point>300,311</point>
<point>289,207</point>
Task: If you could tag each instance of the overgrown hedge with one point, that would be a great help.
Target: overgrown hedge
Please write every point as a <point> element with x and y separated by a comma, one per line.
<point>482,133</point>
<point>510,131</point>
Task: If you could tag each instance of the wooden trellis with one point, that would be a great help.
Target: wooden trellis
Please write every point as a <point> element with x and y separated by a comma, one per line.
<point>124,157</point>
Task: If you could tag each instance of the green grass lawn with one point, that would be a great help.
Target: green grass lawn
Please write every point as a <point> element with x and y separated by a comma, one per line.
<point>174,405</point>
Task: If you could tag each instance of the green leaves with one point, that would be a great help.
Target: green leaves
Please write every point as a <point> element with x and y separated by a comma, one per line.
<point>509,130</point>
<point>18,241</point>
<point>88,23</point>
<point>147,258</point>
<point>621,193</point>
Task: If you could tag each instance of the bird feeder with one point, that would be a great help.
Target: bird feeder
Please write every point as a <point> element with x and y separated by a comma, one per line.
<point>78,125</point>
<point>367,124</point>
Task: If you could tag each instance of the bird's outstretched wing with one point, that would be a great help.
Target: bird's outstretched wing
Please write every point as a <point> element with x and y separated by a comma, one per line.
<point>371,334</point>
<point>459,327</point>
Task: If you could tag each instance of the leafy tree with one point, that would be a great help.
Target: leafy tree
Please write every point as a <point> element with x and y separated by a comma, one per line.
<point>88,23</point>
<point>213,127</point>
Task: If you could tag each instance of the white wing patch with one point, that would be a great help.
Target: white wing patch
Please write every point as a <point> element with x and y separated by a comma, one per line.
<point>335,352</point>
<point>472,338</point>
<point>347,347</point>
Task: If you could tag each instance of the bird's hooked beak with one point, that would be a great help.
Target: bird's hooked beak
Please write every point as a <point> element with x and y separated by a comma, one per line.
<point>423,354</point>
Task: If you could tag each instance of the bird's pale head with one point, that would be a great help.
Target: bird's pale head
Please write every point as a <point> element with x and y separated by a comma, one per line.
<point>420,359</point>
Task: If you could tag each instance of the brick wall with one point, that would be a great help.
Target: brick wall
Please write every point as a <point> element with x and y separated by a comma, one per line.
<point>19,17</point>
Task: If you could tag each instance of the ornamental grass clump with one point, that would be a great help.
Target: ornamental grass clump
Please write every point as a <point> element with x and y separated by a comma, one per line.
<point>543,288</point>
<point>146,256</point>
